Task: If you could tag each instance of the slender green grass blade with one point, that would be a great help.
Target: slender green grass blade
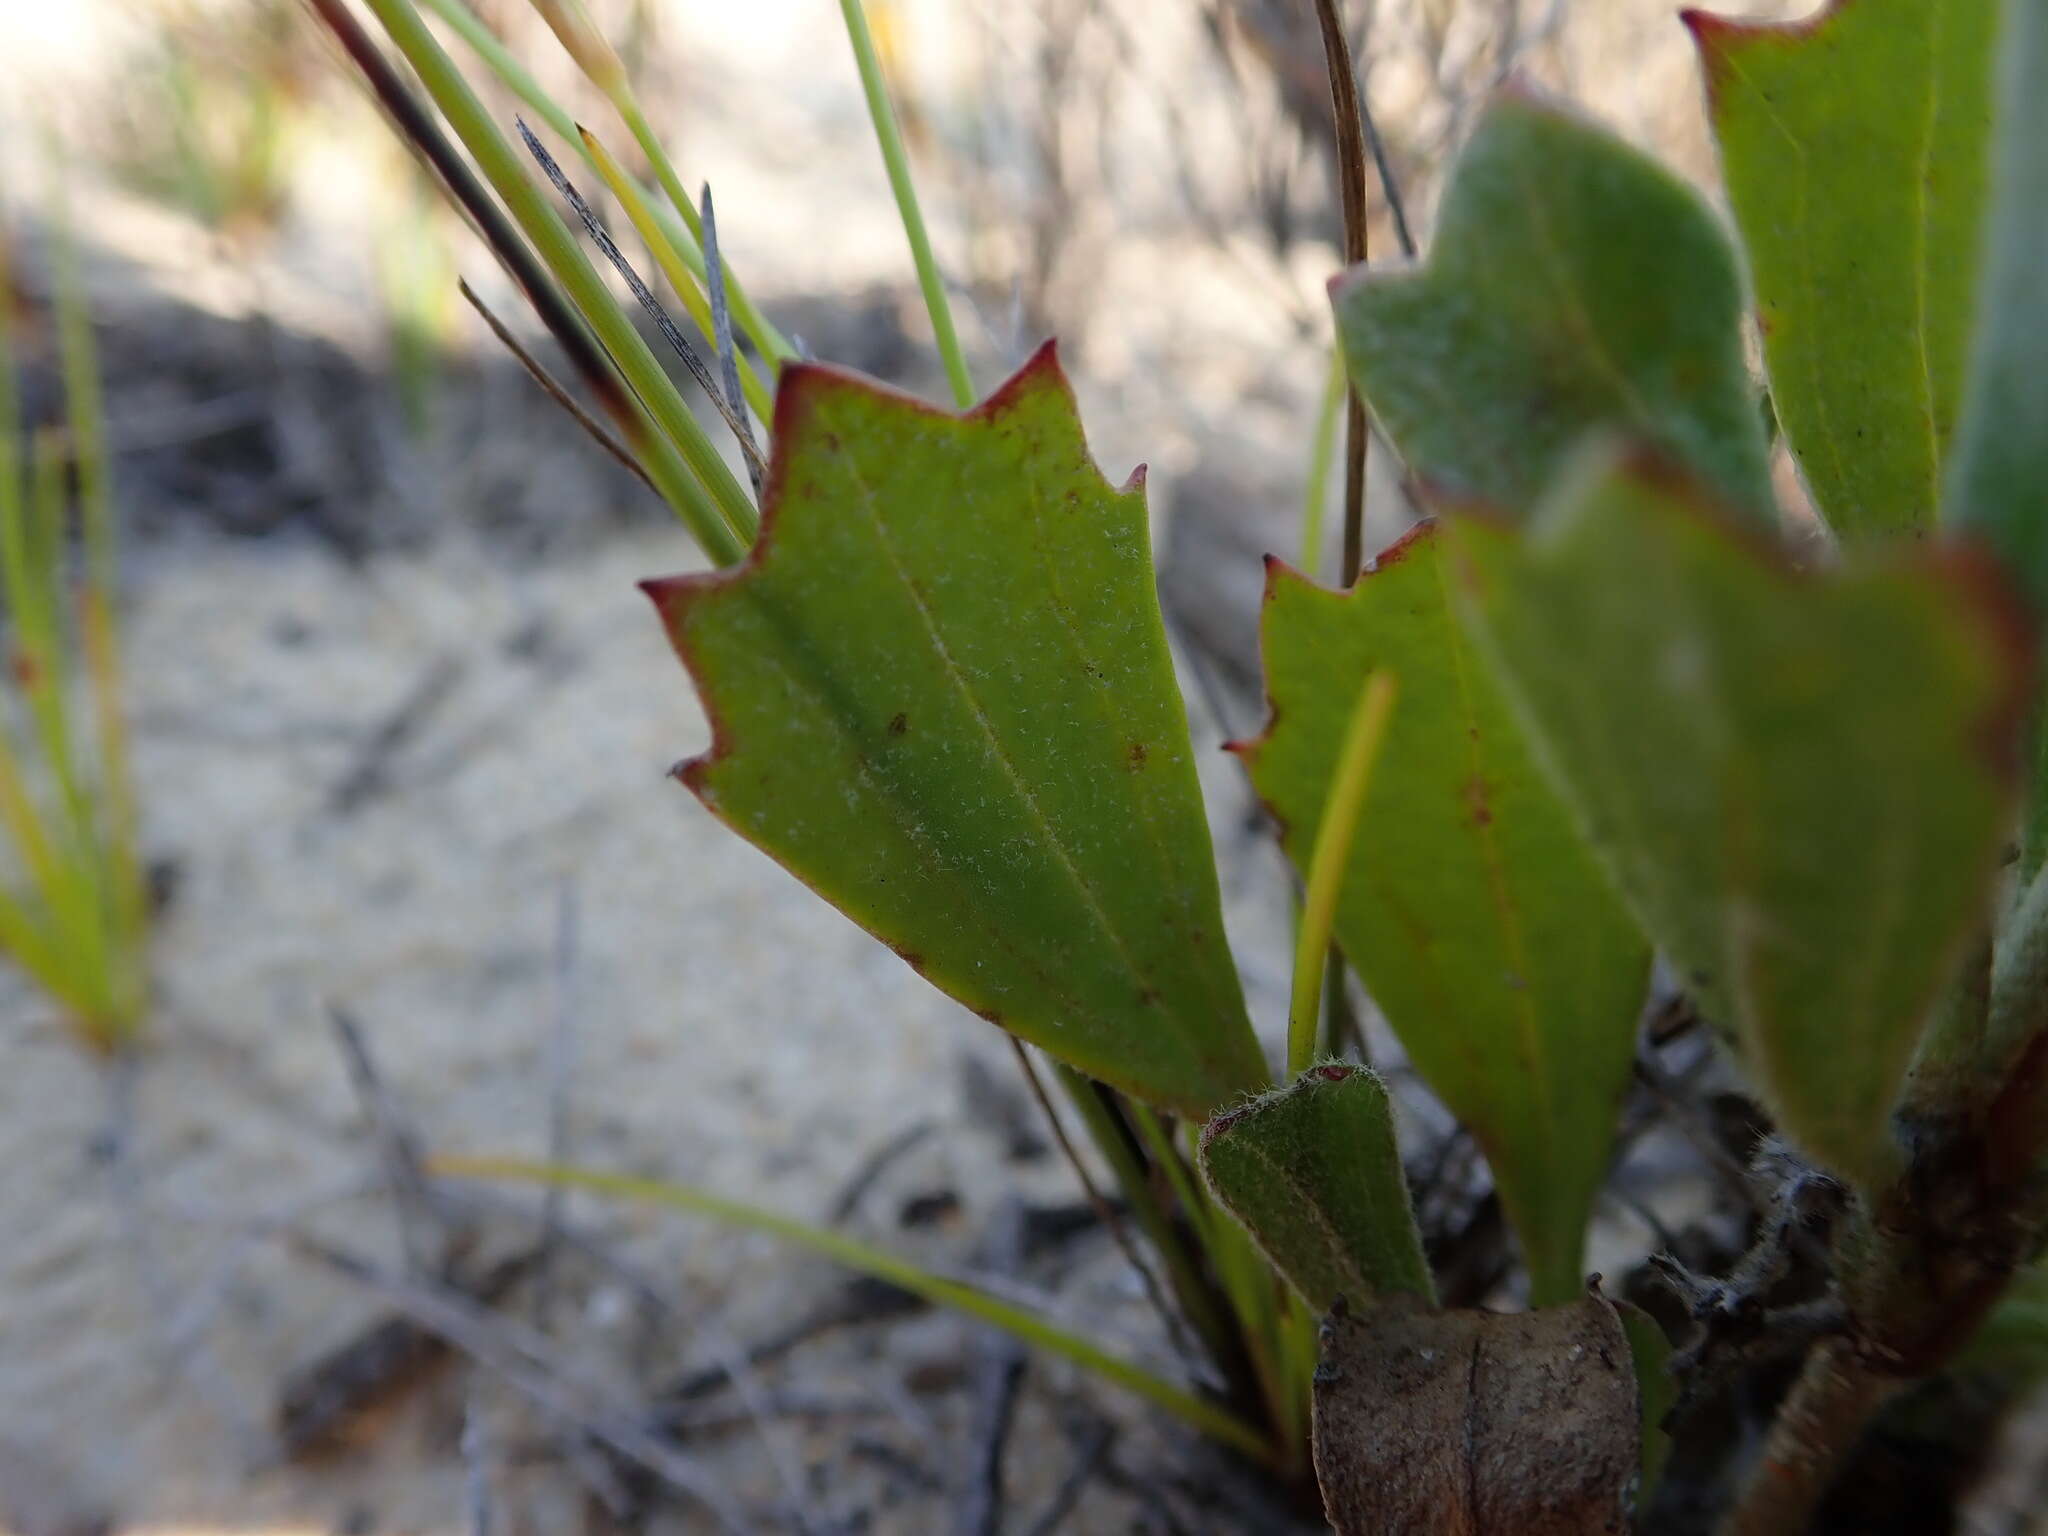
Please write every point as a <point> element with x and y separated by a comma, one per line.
<point>118,829</point>
<point>715,506</point>
<point>1197,1412</point>
<point>642,214</point>
<point>1334,834</point>
<point>1323,451</point>
<point>484,43</point>
<point>764,335</point>
<point>890,137</point>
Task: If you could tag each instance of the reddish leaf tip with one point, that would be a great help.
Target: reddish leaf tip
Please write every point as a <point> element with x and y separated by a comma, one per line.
<point>1221,1124</point>
<point>1345,279</point>
<point>1718,38</point>
<point>1398,551</point>
<point>1278,574</point>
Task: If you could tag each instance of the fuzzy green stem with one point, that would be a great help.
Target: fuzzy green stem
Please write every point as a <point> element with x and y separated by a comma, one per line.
<point>890,137</point>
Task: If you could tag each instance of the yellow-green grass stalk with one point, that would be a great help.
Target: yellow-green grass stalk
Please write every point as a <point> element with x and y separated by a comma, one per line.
<point>74,908</point>
<point>642,214</point>
<point>680,233</point>
<point>1322,451</point>
<point>652,455</point>
<point>1193,1409</point>
<point>1334,835</point>
<point>712,502</point>
<point>896,160</point>
<point>99,639</point>
<point>618,89</point>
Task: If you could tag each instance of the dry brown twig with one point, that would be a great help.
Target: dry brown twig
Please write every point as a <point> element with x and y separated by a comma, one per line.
<point>530,1365</point>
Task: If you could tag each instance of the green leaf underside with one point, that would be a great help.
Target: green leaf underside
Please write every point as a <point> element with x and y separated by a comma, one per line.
<point>1573,284</point>
<point>1312,1171</point>
<point>1656,1391</point>
<point>1998,488</point>
<point>941,695</point>
<point>1854,147</point>
<point>1802,784</point>
<point>1484,930</point>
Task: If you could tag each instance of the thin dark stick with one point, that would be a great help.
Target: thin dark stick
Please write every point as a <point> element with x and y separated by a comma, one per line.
<point>553,389</point>
<point>522,1358</point>
<point>721,332</point>
<point>1390,188</point>
<point>476,1458</point>
<point>1094,1445</point>
<point>998,1377</point>
<point>192,1366</point>
<point>397,1148</point>
<point>589,359</point>
<point>602,239</point>
<point>561,1044</point>
<point>369,775</point>
<point>1107,1214</point>
<point>1351,186</point>
<point>858,1302</point>
<point>863,1178</point>
<point>781,1456</point>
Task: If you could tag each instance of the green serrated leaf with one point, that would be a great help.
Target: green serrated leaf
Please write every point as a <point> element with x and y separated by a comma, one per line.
<point>1487,935</point>
<point>1312,1171</point>
<point>1999,485</point>
<point>1656,1393</point>
<point>1801,783</point>
<point>1855,147</point>
<point>941,695</point>
<point>1574,284</point>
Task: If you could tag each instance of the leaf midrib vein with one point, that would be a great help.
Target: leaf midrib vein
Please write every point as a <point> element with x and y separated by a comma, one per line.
<point>1171,886</point>
<point>956,674</point>
<point>1506,910</point>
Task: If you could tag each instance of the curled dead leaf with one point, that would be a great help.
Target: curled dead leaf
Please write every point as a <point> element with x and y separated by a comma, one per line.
<point>1474,1423</point>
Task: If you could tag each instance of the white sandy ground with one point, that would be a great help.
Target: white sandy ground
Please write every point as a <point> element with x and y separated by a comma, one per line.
<point>731,1029</point>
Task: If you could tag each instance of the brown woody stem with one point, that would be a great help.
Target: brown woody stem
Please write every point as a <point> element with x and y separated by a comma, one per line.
<point>1832,1403</point>
<point>1351,185</point>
